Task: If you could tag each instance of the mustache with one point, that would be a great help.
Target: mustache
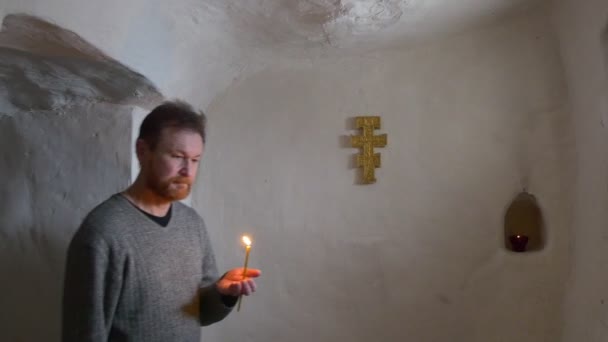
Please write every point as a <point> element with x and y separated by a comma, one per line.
<point>181,180</point>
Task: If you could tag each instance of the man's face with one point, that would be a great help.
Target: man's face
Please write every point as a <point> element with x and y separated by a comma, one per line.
<point>171,167</point>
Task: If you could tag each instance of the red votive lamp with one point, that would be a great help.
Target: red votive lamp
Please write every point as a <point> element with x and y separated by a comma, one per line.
<point>518,242</point>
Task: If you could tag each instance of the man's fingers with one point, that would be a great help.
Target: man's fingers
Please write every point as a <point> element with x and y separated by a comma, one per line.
<point>246,288</point>
<point>252,273</point>
<point>236,284</point>
<point>235,288</point>
<point>236,274</point>
<point>252,285</point>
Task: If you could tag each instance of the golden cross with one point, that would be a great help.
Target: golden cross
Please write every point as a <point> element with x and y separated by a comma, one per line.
<point>367,159</point>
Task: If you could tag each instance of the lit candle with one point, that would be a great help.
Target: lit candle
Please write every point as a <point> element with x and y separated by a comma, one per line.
<point>247,242</point>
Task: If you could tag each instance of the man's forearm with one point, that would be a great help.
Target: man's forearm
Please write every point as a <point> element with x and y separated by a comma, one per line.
<point>213,305</point>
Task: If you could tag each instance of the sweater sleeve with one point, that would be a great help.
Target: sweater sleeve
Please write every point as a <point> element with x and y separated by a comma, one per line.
<point>212,307</point>
<point>92,287</point>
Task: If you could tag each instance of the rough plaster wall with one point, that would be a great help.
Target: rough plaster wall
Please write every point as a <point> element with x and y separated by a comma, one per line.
<point>356,25</point>
<point>65,133</point>
<point>55,168</point>
<point>45,67</point>
<point>417,256</point>
<point>181,46</point>
<point>581,26</point>
<point>194,49</point>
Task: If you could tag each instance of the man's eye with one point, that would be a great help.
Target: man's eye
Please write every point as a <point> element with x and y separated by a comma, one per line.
<point>195,160</point>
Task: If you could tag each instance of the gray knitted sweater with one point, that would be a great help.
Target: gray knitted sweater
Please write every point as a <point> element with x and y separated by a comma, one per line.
<point>129,279</point>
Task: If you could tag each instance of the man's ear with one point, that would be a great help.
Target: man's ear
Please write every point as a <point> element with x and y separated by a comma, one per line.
<point>141,148</point>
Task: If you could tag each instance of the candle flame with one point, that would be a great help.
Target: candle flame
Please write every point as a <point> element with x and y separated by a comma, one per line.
<point>246,240</point>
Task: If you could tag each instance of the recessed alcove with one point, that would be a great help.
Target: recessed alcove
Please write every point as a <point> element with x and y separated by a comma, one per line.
<point>524,227</point>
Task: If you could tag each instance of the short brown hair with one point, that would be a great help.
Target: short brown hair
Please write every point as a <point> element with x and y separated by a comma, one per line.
<point>175,114</point>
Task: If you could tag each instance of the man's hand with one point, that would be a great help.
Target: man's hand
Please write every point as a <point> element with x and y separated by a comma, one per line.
<point>233,283</point>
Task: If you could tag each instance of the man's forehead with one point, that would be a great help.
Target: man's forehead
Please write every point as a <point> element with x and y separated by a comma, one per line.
<point>175,138</point>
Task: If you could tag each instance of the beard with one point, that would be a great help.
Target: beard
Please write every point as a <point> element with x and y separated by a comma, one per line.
<point>173,189</point>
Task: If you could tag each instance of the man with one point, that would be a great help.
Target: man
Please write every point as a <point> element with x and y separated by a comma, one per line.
<point>141,267</point>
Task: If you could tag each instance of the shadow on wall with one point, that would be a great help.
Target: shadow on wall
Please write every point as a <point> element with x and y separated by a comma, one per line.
<point>31,253</point>
<point>65,126</point>
<point>58,168</point>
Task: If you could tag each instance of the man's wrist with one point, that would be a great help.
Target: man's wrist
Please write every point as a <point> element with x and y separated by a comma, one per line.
<point>228,300</point>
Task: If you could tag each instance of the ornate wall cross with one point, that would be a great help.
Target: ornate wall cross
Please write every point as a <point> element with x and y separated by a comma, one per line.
<point>367,159</point>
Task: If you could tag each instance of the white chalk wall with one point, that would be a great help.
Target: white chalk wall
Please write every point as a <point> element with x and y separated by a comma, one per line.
<point>55,166</point>
<point>583,31</point>
<point>181,46</point>
<point>417,256</point>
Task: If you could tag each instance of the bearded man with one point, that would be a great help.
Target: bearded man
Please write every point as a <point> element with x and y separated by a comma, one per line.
<point>141,266</point>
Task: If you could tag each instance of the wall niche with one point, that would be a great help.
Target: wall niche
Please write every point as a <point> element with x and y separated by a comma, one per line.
<point>524,225</point>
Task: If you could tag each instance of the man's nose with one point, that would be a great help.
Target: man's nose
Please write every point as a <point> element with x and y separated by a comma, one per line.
<point>186,169</point>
